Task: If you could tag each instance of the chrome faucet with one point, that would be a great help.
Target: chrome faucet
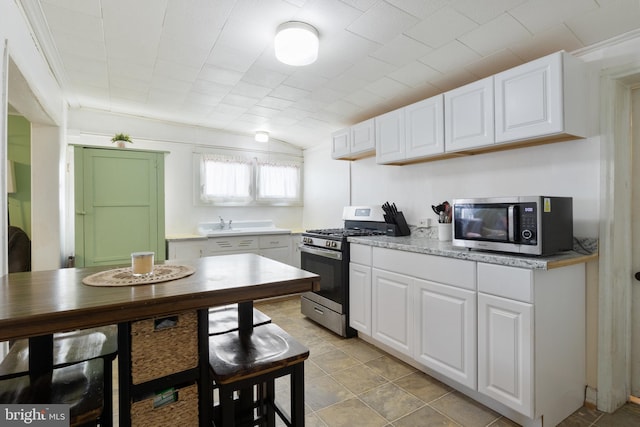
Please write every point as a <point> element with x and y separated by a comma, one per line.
<point>222,224</point>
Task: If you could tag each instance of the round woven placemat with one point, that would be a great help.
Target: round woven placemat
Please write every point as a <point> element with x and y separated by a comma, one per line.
<point>124,277</point>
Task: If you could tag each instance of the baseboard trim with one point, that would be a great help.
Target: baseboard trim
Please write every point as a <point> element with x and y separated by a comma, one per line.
<point>591,398</point>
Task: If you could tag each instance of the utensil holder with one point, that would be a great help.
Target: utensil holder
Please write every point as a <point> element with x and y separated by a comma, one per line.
<point>444,231</point>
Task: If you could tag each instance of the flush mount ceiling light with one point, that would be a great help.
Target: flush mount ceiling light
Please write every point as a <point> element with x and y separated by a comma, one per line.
<point>262,136</point>
<point>296,43</point>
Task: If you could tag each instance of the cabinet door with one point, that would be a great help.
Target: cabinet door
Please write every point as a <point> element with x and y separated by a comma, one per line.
<point>505,352</point>
<point>282,254</point>
<point>424,122</point>
<point>119,202</point>
<point>360,298</point>
<point>296,241</point>
<point>445,325</point>
<point>185,250</point>
<point>529,100</point>
<point>362,138</point>
<point>390,137</point>
<point>340,144</point>
<point>276,247</point>
<point>469,116</point>
<point>392,310</point>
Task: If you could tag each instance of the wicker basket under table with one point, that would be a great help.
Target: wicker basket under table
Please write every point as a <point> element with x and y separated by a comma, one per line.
<point>184,410</point>
<point>158,350</point>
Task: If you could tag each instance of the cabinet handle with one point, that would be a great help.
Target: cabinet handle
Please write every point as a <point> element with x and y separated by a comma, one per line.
<point>81,213</point>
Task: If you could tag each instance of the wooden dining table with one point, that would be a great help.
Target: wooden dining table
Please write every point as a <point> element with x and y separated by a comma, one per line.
<point>37,304</point>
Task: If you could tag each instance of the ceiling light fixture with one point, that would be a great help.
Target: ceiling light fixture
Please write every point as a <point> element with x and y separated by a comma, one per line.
<point>296,43</point>
<point>262,136</point>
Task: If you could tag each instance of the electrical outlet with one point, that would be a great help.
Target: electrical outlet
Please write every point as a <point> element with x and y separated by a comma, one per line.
<point>424,222</point>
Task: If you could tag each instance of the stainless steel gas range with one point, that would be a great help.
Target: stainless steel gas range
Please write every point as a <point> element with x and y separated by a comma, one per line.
<point>326,253</point>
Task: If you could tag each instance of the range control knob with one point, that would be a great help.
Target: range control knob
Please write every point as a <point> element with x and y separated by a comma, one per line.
<point>328,244</point>
<point>527,234</point>
<point>334,244</point>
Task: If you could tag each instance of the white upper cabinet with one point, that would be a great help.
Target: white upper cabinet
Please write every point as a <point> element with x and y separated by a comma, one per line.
<point>541,99</point>
<point>363,141</point>
<point>411,133</point>
<point>354,142</point>
<point>390,134</point>
<point>424,128</point>
<point>468,116</point>
<point>341,143</point>
<point>538,102</point>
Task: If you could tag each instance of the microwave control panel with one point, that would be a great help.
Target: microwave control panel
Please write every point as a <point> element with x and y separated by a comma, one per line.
<point>528,222</point>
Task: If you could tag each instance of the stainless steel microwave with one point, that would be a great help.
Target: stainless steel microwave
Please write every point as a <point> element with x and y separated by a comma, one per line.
<point>533,225</point>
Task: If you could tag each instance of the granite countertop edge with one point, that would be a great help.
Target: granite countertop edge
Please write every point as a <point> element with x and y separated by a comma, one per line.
<point>584,250</point>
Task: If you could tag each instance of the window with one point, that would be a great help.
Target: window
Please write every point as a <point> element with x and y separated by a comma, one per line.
<point>279,181</point>
<point>242,180</point>
<point>225,179</point>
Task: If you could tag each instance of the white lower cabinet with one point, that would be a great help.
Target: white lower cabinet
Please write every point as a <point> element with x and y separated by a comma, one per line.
<point>274,246</point>
<point>392,310</point>
<point>445,325</point>
<point>231,245</point>
<point>185,249</point>
<point>360,298</point>
<point>511,337</point>
<point>505,352</point>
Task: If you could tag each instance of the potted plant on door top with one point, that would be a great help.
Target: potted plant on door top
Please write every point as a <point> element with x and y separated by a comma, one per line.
<point>120,139</point>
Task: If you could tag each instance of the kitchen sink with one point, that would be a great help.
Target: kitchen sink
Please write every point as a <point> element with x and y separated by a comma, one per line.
<point>238,228</point>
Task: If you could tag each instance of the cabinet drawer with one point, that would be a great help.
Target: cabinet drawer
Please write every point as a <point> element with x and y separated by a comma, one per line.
<point>456,272</point>
<point>226,244</point>
<point>508,282</point>
<point>360,254</point>
<point>275,241</point>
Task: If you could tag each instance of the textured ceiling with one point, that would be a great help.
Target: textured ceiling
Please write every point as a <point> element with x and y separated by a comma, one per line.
<point>211,62</point>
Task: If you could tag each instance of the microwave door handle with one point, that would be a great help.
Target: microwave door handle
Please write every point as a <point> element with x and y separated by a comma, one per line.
<point>512,223</point>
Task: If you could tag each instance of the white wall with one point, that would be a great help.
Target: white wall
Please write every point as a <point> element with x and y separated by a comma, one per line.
<point>179,142</point>
<point>560,169</point>
<point>326,188</point>
<point>29,74</point>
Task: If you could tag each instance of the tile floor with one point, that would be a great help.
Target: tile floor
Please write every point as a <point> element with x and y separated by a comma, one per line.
<point>350,383</point>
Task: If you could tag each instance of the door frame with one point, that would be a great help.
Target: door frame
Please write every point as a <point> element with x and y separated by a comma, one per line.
<point>615,278</point>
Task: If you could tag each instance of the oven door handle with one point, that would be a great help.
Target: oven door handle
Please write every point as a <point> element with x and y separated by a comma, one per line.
<point>325,253</point>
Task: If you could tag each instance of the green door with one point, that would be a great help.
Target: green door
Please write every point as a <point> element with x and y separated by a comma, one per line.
<point>119,198</point>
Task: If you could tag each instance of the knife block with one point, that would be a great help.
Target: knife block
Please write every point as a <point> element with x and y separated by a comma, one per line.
<point>399,227</point>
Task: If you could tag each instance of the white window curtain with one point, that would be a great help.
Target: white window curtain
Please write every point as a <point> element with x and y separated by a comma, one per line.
<point>226,178</point>
<point>239,180</point>
<point>279,181</point>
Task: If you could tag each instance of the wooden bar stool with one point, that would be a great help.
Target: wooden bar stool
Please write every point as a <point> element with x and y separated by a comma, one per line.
<point>224,319</point>
<point>256,360</point>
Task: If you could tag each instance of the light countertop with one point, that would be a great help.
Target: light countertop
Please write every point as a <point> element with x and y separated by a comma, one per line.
<point>426,244</point>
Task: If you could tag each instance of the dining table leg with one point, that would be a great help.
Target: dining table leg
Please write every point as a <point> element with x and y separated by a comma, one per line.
<point>41,367</point>
<point>245,328</point>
